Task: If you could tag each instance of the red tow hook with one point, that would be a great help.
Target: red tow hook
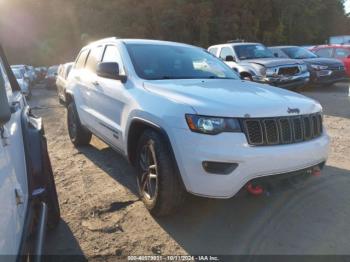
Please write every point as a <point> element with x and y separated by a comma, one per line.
<point>254,190</point>
<point>316,171</point>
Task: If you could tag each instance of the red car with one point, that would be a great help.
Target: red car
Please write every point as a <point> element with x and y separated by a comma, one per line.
<point>340,52</point>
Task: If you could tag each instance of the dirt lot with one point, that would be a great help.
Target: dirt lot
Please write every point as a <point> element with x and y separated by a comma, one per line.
<point>102,217</point>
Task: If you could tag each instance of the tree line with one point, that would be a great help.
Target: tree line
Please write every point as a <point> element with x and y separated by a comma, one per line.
<point>45,32</point>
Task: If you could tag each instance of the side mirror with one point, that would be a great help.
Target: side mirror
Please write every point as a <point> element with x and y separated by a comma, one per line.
<point>348,56</point>
<point>110,70</point>
<point>230,58</point>
<point>275,55</point>
<point>5,111</point>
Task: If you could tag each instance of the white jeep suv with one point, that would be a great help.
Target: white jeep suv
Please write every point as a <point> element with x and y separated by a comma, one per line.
<point>187,121</point>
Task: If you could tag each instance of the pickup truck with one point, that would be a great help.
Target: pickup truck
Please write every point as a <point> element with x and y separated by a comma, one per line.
<point>255,62</point>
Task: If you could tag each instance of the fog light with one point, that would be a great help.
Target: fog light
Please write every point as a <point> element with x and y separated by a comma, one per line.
<point>219,168</point>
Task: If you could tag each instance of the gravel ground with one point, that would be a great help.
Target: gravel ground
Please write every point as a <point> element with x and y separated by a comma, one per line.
<point>103,219</point>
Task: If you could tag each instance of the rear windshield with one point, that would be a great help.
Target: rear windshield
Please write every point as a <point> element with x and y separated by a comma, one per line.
<point>52,70</point>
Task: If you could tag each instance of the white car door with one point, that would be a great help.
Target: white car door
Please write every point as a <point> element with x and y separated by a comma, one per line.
<point>109,99</point>
<point>78,81</point>
<point>13,175</point>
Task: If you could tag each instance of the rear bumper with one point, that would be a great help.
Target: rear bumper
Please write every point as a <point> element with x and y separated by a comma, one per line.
<point>288,82</point>
<point>192,149</point>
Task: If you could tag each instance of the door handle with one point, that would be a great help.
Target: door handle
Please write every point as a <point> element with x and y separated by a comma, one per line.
<point>19,196</point>
<point>77,78</point>
<point>95,83</point>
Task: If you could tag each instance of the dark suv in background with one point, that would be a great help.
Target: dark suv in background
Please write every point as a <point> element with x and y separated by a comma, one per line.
<point>323,71</point>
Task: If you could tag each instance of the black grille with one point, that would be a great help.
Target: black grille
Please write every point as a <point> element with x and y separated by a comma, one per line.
<point>282,130</point>
<point>337,68</point>
<point>288,71</point>
<point>254,132</point>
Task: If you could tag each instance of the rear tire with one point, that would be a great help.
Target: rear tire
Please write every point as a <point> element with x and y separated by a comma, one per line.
<point>158,178</point>
<point>78,134</point>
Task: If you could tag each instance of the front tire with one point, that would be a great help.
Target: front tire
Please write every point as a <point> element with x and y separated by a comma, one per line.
<point>158,179</point>
<point>78,134</point>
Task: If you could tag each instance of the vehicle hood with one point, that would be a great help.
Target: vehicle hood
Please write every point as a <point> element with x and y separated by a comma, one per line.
<point>232,98</point>
<point>271,62</point>
<point>323,61</point>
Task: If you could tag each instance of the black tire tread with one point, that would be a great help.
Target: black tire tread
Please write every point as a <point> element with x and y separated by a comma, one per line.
<point>171,191</point>
<point>83,136</point>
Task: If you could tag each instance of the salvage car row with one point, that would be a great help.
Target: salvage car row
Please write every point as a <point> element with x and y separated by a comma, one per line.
<point>290,67</point>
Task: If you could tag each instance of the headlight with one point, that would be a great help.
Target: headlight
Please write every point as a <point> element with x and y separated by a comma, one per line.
<point>212,125</point>
<point>262,71</point>
<point>258,69</point>
<point>271,71</point>
<point>319,67</point>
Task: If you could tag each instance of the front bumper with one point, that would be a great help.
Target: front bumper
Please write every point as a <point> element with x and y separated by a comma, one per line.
<point>288,82</point>
<point>191,149</point>
<point>324,77</point>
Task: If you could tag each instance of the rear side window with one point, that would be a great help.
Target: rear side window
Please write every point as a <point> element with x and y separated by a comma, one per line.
<point>226,51</point>
<point>278,53</point>
<point>94,58</point>
<point>324,52</point>
<point>67,70</point>
<point>112,55</point>
<point>341,53</point>
<point>80,63</point>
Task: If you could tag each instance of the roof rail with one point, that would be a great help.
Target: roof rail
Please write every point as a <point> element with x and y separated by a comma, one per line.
<point>236,41</point>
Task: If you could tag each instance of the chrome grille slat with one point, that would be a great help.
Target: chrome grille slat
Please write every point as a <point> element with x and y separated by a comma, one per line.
<point>282,130</point>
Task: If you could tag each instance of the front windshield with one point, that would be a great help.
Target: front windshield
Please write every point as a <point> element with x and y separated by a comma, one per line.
<point>156,62</point>
<point>17,74</point>
<point>252,51</point>
<point>298,53</point>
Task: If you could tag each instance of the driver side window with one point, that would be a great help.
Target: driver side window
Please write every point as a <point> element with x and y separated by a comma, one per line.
<point>226,51</point>
<point>112,54</point>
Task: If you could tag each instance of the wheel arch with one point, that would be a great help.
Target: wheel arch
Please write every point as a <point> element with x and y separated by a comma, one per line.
<point>135,130</point>
<point>35,149</point>
<point>68,98</point>
<point>245,74</point>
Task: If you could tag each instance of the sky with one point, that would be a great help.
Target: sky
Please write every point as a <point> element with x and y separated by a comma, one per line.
<point>347,6</point>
